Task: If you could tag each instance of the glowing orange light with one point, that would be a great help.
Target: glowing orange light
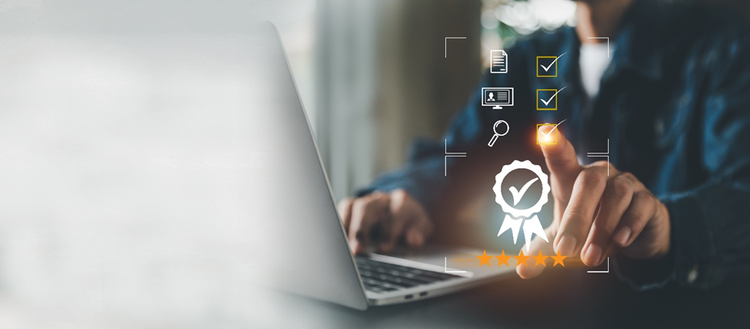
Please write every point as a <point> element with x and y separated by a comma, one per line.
<point>547,136</point>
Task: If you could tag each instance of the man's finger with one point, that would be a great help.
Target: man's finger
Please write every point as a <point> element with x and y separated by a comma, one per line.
<point>417,231</point>
<point>642,208</point>
<point>579,214</point>
<point>560,158</point>
<point>344,208</point>
<point>615,201</point>
<point>532,270</point>
<point>419,226</point>
<point>401,214</point>
<point>366,212</point>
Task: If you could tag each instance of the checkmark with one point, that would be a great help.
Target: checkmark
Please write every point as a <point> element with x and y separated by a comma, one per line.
<point>518,195</point>
<point>553,62</point>
<point>544,138</point>
<point>553,128</point>
<point>550,99</point>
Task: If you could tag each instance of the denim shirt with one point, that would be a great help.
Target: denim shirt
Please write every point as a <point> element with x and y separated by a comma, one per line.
<point>673,109</point>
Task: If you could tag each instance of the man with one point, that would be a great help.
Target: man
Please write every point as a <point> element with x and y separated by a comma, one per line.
<point>671,104</point>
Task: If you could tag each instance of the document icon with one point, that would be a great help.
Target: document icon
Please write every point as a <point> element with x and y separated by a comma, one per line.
<point>498,61</point>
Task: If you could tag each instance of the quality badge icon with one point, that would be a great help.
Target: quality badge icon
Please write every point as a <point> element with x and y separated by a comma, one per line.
<point>526,219</point>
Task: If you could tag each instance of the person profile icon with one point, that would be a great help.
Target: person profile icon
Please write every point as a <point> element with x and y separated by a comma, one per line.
<point>497,97</point>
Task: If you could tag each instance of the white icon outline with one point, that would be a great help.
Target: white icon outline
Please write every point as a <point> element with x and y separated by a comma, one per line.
<point>517,219</point>
<point>511,98</point>
<point>502,61</point>
<point>495,136</point>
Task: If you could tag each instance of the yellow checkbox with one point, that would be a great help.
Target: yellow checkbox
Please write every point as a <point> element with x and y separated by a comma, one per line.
<point>546,138</point>
<point>544,70</point>
<point>545,100</point>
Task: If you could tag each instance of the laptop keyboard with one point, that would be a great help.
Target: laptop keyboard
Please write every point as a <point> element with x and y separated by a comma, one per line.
<point>384,277</point>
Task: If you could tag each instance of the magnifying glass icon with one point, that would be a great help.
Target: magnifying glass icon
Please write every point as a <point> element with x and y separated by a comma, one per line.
<point>496,135</point>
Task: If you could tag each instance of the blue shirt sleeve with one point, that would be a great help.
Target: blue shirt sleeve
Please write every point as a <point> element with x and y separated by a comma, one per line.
<point>710,223</point>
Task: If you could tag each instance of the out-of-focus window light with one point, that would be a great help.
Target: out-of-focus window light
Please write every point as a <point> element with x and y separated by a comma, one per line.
<point>298,34</point>
<point>503,21</point>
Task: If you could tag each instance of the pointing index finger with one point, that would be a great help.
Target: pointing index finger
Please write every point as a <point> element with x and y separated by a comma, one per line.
<point>560,158</point>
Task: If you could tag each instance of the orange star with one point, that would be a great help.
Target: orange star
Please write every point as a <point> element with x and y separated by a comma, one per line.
<point>540,259</point>
<point>521,259</point>
<point>559,259</point>
<point>503,259</point>
<point>484,259</point>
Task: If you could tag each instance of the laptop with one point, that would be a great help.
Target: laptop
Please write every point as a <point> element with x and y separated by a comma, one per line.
<point>293,202</point>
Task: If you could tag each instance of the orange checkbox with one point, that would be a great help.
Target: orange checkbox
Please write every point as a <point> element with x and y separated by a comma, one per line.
<point>548,138</point>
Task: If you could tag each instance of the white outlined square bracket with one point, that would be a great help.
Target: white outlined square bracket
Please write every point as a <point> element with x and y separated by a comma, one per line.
<point>451,270</point>
<point>445,45</point>
<point>450,155</point>
<point>601,155</point>
<point>602,38</point>
<point>600,271</point>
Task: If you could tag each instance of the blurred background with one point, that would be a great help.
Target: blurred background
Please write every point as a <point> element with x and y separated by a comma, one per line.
<point>383,76</point>
<point>372,75</point>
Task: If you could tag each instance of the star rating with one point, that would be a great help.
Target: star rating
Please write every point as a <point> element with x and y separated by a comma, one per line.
<point>502,259</point>
<point>558,259</point>
<point>540,259</point>
<point>521,259</point>
<point>484,259</point>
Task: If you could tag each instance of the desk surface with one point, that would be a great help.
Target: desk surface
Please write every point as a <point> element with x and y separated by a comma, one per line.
<point>559,299</point>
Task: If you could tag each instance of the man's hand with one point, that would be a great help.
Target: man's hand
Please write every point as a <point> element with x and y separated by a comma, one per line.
<point>382,219</point>
<point>596,214</point>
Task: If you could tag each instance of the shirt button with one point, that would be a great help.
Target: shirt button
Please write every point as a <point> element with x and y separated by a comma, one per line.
<point>692,275</point>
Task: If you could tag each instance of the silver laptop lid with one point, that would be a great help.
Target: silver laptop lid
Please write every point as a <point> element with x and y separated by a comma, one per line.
<point>291,198</point>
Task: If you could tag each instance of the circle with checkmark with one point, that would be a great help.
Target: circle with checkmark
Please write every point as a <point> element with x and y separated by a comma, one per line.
<point>517,192</point>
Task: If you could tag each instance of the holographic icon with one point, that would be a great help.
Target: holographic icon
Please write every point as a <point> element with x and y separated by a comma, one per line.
<point>545,69</point>
<point>543,138</point>
<point>495,136</point>
<point>497,97</point>
<point>522,219</point>
<point>498,61</point>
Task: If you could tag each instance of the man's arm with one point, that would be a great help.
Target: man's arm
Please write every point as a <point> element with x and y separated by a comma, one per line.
<point>711,223</point>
